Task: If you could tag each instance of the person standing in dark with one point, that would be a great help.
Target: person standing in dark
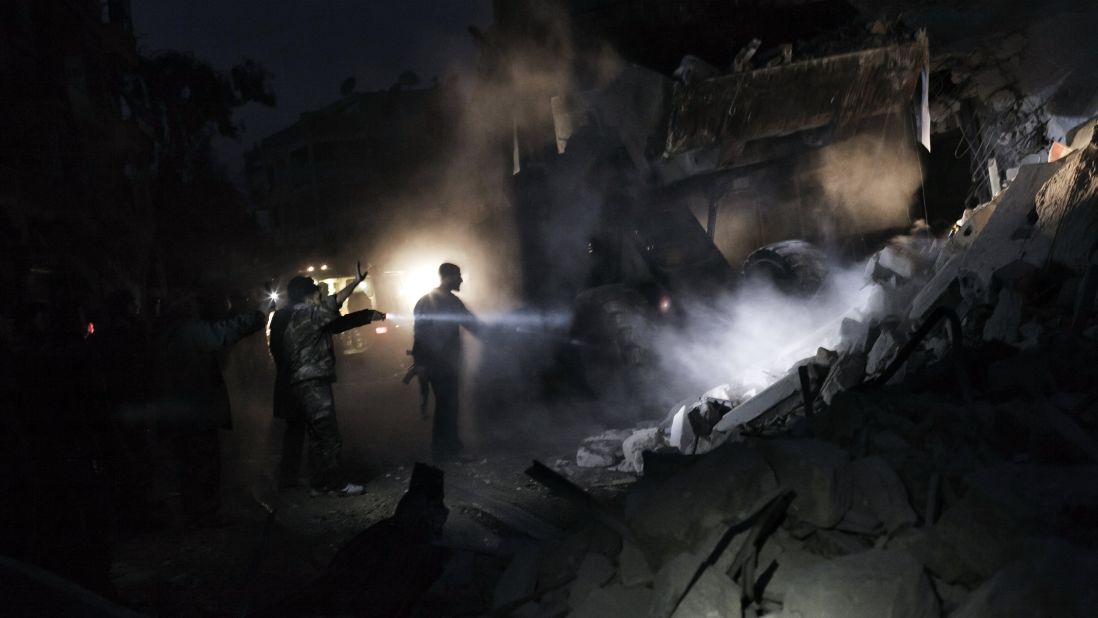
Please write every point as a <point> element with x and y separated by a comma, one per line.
<point>303,346</point>
<point>193,403</point>
<point>293,440</point>
<point>437,352</point>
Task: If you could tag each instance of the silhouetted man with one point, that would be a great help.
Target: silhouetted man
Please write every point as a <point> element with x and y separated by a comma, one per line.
<point>308,359</point>
<point>194,400</point>
<point>439,317</point>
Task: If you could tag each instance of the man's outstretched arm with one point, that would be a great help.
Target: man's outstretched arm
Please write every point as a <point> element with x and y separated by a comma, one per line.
<point>342,295</point>
<point>353,320</point>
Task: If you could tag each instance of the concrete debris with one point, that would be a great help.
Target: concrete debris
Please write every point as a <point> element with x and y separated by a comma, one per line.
<point>900,500</point>
<point>854,336</point>
<point>867,585</point>
<point>714,595</point>
<point>883,352</point>
<point>520,578</point>
<point>633,566</point>
<point>1067,213</point>
<point>790,567</point>
<point>603,450</point>
<point>878,488</point>
<point>588,458</point>
<point>1004,238</point>
<point>684,509</point>
<point>846,373</point>
<point>781,391</point>
<point>1053,579</point>
<point>817,472</point>
<point>1005,321</point>
<point>614,601</point>
<point>593,573</point>
<point>634,446</point>
<point>894,261</point>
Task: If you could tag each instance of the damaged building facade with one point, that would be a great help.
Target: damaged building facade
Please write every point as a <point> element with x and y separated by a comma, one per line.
<point>919,439</point>
<point>933,457</point>
<point>327,178</point>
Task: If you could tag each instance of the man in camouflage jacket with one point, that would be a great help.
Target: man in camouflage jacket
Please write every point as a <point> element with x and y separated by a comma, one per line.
<point>306,346</point>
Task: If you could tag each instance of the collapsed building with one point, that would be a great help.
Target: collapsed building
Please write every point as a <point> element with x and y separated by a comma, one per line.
<point>934,458</point>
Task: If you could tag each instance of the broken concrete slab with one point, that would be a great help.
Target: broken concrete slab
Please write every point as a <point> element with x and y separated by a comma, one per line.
<point>870,584</point>
<point>593,573</point>
<point>790,567</point>
<point>633,568</point>
<point>615,601</point>
<point>836,543</point>
<point>782,390</point>
<point>846,373</point>
<point>603,450</point>
<point>1053,579</point>
<point>970,542</point>
<point>1067,213</point>
<point>817,471</point>
<point>671,582</point>
<point>853,336</point>
<point>587,458</point>
<point>520,578</point>
<point>879,488</point>
<point>1006,319</point>
<point>941,290</point>
<point>1004,238</point>
<point>897,261</point>
<point>634,446</point>
<point>883,352</point>
<point>725,485</point>
<point>714,595</point>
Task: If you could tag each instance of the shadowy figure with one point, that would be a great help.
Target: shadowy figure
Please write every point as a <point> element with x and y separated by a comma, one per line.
<point>193,401</point>
<point>437,351</point>
<point>386,569</point>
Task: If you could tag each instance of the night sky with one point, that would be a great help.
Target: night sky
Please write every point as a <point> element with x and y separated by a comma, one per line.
<point>312,46</point>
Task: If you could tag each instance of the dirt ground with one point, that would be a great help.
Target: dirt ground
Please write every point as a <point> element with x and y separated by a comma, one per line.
<point>171,571</point>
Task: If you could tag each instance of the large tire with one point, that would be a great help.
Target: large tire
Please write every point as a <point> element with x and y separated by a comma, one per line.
<point>614,326</point>
<point>795,267</point>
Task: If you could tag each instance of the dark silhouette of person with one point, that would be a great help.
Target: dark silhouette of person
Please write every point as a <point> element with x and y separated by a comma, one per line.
<point>437,351</point>
<point>388,568</point>
<point>193,400</point>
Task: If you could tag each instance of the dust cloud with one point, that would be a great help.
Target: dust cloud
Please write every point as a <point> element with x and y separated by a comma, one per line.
<point>750,338</point>
<point>870,181</point>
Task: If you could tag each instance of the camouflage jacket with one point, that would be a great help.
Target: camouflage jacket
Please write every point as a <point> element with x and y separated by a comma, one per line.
<point>306,347</point>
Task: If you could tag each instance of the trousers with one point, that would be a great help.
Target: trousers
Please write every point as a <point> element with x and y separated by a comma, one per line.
<point>445,436</point>
<point>314,397</point>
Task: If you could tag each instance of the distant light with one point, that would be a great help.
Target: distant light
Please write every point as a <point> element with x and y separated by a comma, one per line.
<point>273,296</point>
<point>310,269</point>
<point>381,330</point>
<point>665,303</point>
<point>323,267</point>
<point>91,328</point>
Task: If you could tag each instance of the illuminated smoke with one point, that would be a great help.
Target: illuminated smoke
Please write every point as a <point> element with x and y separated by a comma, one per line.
<point>870,181</point>
<point>751,338</point>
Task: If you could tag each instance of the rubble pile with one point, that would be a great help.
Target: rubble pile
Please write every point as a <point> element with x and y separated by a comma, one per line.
<point>940,461</point>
